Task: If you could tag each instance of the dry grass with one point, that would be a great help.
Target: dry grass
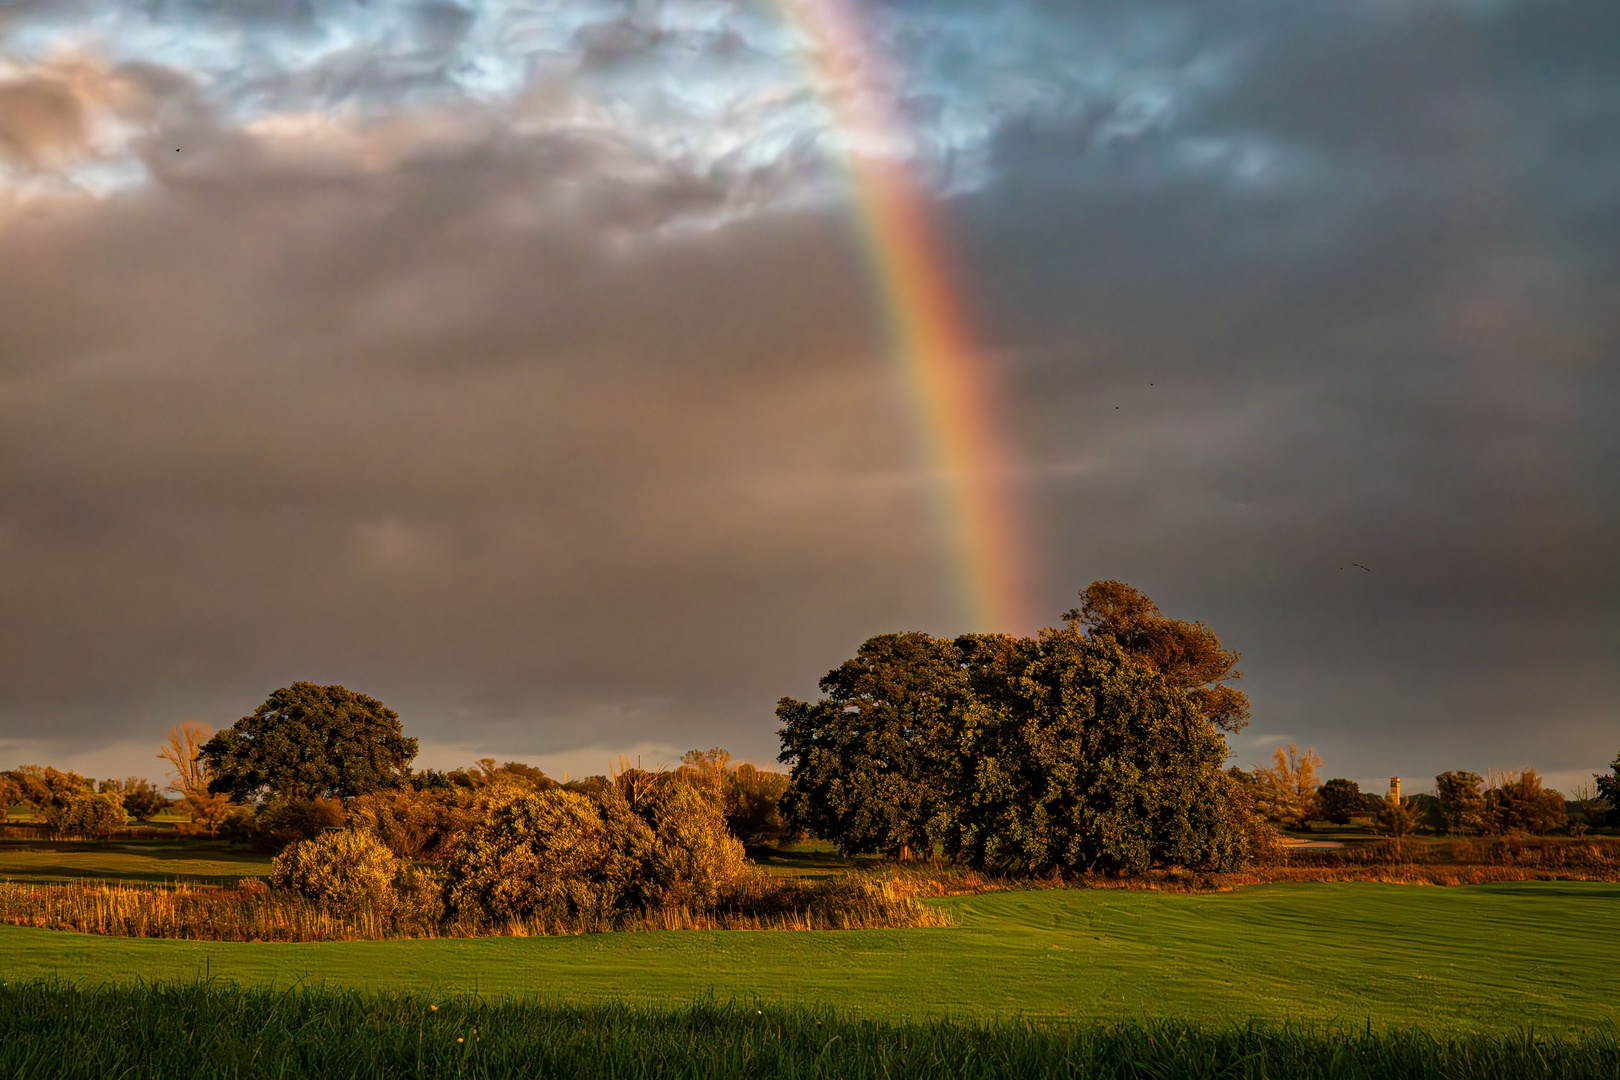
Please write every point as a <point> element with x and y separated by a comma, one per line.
<point>849,901</point>
<point>253,912</point>
<point>1460,861</point>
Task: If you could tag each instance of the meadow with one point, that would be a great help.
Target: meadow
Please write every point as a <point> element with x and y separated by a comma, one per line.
<point>149,858</point>
<point>1249,978</point>
<point>1489,958</point>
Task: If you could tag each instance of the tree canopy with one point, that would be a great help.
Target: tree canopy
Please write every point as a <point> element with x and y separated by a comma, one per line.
<point>1338,799</point>
<point>47,788</point>
<point>309,742</point>
<point>1070,751</point>
<point>1608,787</point>
<point>867,767</point>
<point>1187,654</point>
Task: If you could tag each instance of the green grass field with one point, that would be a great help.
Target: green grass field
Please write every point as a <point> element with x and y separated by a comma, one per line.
<point>211,1030</point>
<point>1477,958</point>
<point>156,861</point>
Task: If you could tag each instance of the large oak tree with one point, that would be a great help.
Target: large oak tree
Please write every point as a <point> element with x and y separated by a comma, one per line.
<point>1071,751</point>
<point>308,742</point>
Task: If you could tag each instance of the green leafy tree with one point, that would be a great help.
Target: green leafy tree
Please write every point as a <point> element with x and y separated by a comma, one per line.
<point>1462,806</point>
<point>1339,799</point>
<point>96,815</point>
<point>1187,654</point>
<point>1608,787</point>
<point>1086,759</point>
<point>1426,808</point>
<point>1396,820</point>
<point>10,796</point>
<point>48,789</point>
<point>867,765</point>
<point>308,742</point>
<point>1519,802</point>
<point>142,801</point>
<point>1071,752</point>
<point>754,805</point>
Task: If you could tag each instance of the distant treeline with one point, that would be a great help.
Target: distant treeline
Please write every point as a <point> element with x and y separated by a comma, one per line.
<point>1097,747</point>
<point>1290,794</point>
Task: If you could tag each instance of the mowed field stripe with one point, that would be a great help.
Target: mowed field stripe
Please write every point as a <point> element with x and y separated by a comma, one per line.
<point>1489,957</point>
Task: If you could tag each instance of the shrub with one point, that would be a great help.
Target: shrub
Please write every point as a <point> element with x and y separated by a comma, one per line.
<point>417,824</point>
<point>544,854</point>
<point>89,815</point>
<point>692,853</point>
<point>753,805</point>
<point>276,825</point>
<point>342,871</point>
<point>143,801</point>
<point>644,841</point>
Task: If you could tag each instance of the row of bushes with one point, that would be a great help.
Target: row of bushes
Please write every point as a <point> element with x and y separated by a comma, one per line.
<point>427,816</point>
<point>509,852</point>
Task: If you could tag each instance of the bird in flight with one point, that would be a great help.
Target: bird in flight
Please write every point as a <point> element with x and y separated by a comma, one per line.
<point>1366,568</point>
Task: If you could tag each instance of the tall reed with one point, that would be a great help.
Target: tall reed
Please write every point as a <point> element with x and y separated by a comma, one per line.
<point>253,912</point>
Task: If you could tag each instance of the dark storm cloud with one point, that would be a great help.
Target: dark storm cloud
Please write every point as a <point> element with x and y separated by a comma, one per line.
<point>389,433</point>
<point>504,369</point>
<point>1369,276</point>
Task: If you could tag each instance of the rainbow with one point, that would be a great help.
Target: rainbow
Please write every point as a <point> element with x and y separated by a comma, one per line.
<point>933,343</point>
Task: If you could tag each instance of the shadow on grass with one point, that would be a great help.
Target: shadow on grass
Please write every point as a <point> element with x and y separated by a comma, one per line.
<point>160,861</point>
<point>809,858</point>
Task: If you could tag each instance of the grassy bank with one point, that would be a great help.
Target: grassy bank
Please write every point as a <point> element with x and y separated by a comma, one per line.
<point>53,1030</point>
<point>1487,958</point>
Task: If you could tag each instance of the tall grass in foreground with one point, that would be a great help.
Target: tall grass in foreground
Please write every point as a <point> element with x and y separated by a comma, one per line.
<point>254,912</point>
<point>50,1029</point>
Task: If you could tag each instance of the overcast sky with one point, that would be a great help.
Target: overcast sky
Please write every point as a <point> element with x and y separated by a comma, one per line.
<point>519,362</point>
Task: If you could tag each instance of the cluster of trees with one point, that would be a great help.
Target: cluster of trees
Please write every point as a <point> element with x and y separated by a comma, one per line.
<point>1508,802</point>
<point>640,841</point>
<point>314,757</point>
<point>323,775</point>
<point>1290,793</point>
<point>77,805</point>
<point>1098,746</point>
